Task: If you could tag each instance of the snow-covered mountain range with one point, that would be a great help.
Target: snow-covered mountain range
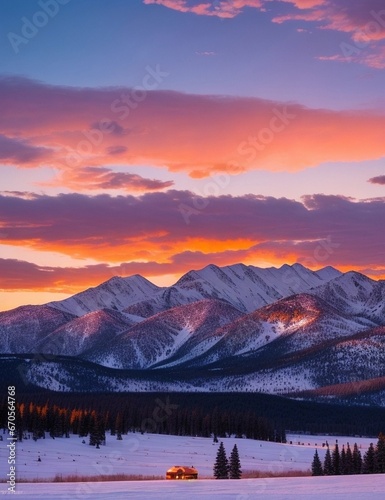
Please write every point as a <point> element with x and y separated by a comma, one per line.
<point>289,331</point>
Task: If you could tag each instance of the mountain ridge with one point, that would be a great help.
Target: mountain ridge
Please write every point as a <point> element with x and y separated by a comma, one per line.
<point>286,331</point>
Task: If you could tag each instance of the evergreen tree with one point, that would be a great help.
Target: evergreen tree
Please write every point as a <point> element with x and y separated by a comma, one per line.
<point>328,468</point>
<point>316,466</point>
<point>97,432</point>
<point>84,424</point>
<point>369,462</point>
<point>235,471</point>
<point>349,461</point>
<point>221,466</point>
<point>343,460</point>
<point>118,427</point>
<point>55,425</point>
<point>357,460</point>
<point>380,454</point>
<point>336,461</point>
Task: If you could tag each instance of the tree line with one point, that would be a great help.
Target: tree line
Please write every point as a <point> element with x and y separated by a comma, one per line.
<point>163,417</point>
<point>347,461</point>
<point>280,413</point>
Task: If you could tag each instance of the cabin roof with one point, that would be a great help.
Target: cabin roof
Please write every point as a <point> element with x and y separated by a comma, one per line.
<point>184,468</point>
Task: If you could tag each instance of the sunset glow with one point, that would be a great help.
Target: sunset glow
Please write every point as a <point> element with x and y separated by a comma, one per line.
<point>181,133</point>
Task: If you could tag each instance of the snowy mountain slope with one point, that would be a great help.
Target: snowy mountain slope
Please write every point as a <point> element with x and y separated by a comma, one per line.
<point>297,376</point>
<point>208,331</point>
<point>356,295</point>
<point>87,332</point>
<point>349,361</point>
<point>354,359</point>
<point>289,325</point>
<point>245,287</point>
<point>281,331</point>
<point>181,329</point>
<point>22,329</point>
<point>285,348</point>
<point>116,293</point>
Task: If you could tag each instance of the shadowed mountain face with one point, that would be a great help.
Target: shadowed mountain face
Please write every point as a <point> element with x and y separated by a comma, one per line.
<point>288,331</point>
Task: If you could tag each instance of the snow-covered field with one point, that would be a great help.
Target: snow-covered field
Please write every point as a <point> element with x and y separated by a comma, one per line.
<point>152,455</point>
<point>312,488</point>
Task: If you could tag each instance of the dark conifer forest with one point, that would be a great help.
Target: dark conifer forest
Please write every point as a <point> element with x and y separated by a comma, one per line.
<point>254,416</point>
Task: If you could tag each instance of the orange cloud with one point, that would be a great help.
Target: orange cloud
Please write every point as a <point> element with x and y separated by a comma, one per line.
<point>99,178</point>
<point>151,235</point>
<point>192,133</point>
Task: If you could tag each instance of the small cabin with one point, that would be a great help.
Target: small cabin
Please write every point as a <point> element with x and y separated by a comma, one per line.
<point>182,472</point>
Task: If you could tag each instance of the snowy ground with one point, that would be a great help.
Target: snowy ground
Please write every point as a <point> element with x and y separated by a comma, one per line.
<point>152,455</point>
<point>312,488</point>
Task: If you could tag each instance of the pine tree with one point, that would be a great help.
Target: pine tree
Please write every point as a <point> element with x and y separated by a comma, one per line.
<point>336,461</point>
<point>84,424</point>
<point>380,454</point>
<point>118,426</point>
<point>328,468</point>
<point>343,460</point>
<point>369,462</point>
<point>357,460</point>
<point>349,461</point>
<point>316,466</point>
<point>221,466</point>
<point>97,432</point>
<point>235,471</point>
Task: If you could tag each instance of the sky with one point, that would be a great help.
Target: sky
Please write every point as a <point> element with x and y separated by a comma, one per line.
<point>157,136</point>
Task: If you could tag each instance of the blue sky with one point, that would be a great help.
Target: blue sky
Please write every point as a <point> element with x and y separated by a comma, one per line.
<point>263,115</point>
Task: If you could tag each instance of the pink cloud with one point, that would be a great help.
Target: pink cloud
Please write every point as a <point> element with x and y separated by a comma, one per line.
<point>193,133</point>
<point>362,20</point>
<point>98,178</point>
<point>305,4</point>
<point>375,58</point>
<point>359,17</point>
<point>218,8</point>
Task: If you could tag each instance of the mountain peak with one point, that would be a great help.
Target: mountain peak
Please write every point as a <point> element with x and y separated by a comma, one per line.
<point>328,272</point>
<point>116,293</point>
